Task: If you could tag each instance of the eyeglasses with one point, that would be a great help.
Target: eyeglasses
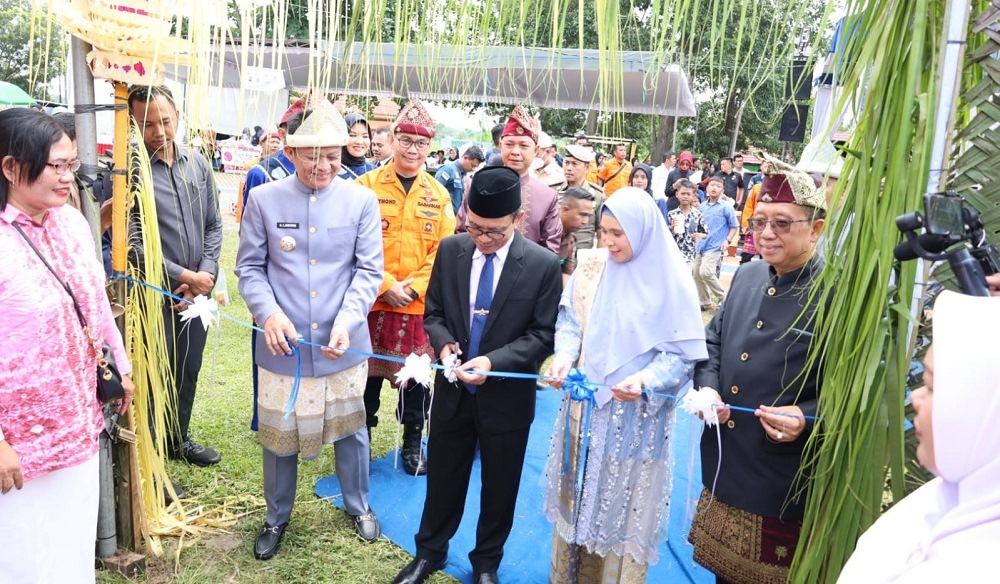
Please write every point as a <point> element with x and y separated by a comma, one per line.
<point>406,143</point>
<point>494,234</point>
<point>779,226</point>
<point>62,167</point>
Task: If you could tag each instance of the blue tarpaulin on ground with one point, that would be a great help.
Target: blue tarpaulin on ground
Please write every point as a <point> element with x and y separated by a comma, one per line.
<point>398,500</point>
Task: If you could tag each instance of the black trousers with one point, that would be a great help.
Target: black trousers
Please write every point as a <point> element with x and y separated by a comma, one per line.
<point>451,451</point>
<point>411,409</point>
<point>185,348</point>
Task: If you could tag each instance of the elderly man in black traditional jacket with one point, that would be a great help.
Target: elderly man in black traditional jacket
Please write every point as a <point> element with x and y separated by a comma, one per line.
<point>750,516</point>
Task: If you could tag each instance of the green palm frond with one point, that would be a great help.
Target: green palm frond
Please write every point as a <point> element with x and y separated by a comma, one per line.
<point>861,332</point>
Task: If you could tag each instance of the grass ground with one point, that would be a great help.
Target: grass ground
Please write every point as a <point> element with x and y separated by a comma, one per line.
<point>320,545</point>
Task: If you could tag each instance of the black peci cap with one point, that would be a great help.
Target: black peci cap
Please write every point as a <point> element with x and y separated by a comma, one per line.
<point>495,192</point>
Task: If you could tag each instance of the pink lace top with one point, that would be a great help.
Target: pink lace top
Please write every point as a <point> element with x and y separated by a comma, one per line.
<point>49,411</point>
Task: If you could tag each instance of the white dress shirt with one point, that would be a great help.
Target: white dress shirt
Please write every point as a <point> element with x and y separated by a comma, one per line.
<point>478,261</point>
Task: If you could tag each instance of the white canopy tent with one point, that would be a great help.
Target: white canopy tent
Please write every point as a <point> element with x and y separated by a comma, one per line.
<point>634,81</point>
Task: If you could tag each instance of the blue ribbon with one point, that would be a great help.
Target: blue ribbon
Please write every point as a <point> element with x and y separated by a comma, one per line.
<point>579,389</point>
<point>576,382</point>
<point>294,395</point>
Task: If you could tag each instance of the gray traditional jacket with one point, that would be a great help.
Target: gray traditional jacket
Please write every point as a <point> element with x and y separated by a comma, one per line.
<point>315,256</point>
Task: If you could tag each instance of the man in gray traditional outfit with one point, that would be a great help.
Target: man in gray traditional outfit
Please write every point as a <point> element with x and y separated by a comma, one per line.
<point>310,260</point>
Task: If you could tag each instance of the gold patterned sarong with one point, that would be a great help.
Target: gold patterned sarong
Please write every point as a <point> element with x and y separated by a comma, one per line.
<point>573,564</point>
<point>327,409</point>
<point>742,547</point>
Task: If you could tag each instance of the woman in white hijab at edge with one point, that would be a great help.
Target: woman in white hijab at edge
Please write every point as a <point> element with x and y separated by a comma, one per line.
<point>950,527</point>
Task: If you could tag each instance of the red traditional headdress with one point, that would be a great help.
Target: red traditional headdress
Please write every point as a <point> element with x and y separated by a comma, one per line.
<point>415,119</point>
<point>521,123</point>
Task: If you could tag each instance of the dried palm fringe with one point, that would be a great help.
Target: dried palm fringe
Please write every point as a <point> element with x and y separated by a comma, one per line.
<point>697,34</point>
<point>155,402</point>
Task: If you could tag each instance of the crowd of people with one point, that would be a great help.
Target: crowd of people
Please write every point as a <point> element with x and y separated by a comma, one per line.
<point>497,261</point>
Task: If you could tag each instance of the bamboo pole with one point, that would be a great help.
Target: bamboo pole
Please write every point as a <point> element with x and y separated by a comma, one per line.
<point>119,237</point>
<point>948,81</point>
<point>129,510</point>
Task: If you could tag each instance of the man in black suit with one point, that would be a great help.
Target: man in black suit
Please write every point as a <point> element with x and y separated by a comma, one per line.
<point>493,299</point>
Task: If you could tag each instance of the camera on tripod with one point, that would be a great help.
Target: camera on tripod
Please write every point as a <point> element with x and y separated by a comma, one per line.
<point>953,231</point>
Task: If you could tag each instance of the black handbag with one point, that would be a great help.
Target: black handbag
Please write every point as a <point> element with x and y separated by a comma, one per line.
<point>109,380</point>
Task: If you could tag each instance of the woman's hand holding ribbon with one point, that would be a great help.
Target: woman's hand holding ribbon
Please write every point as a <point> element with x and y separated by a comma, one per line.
<point>629,389</point>
<point>557,370</point>
<point>721,411</point>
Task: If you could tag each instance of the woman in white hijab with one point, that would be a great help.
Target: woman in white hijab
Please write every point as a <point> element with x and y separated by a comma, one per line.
<point>629,318</point>
<point>949,529</point>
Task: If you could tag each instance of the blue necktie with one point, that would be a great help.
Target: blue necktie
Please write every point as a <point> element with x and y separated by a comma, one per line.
<point>484,298</point>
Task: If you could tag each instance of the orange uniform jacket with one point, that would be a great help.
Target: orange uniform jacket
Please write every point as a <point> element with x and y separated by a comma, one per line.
<point>613,179</point>
<point>749,207</point>
<point>412,227</point>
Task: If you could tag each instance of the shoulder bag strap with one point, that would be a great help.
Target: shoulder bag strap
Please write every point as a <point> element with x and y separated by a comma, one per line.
<point>76,304</point>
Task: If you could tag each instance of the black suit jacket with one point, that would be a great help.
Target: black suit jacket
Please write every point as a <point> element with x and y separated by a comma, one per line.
<point>519,333</point>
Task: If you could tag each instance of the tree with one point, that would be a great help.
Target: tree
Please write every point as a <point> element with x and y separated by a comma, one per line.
<point>31,48</point>
<point>736,59</point>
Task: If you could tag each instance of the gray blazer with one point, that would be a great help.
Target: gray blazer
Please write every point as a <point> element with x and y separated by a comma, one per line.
<point>327,273</point>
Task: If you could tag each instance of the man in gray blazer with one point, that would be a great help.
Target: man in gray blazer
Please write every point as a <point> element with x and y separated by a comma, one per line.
<point>310,263</point>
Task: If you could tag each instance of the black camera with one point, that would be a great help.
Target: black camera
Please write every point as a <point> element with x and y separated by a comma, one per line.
<point>953,231</point>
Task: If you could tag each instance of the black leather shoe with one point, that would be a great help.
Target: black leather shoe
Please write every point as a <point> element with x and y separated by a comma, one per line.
<point>177,489</point>
<point>196,454</point>
<point>418,571</point>
<point>486,578</point>
<point>268,541</point>
<point>367,526</point>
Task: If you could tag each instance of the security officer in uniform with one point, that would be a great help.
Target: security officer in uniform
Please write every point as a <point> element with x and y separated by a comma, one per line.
<point>576,162</point>
<point>417,213</point>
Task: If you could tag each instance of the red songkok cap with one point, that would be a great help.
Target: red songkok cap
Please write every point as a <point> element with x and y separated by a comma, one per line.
<point>521,123</point>
<point>295,109</point>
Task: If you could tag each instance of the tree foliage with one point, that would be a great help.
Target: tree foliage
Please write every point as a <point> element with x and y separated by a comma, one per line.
<point>753,39</point>
<point>751,75</point>
<point>31,48</point>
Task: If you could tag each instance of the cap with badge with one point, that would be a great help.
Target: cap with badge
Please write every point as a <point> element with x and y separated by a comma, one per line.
<point>495,192</point>
<point>521,123</point>
<point>545,141</point>
<point>580,153</point>
<point>784,183</point>
<point>321,128</point>
<point>415,119</point>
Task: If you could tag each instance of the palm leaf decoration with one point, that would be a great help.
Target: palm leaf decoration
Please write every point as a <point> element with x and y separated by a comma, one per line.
<point>864,335</point>
<point>976,166</point>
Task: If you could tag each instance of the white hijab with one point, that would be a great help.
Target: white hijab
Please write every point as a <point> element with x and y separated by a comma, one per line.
<point>645,305</point>
<point>949,529</point>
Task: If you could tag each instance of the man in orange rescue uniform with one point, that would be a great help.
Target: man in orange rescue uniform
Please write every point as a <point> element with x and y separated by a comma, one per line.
<point>417,214</point>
